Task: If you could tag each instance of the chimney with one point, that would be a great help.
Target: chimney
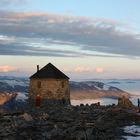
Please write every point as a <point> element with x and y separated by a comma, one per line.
<point>37,68</point>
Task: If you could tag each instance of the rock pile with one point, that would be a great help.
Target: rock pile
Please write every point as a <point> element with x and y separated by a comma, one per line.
<point>125,103</point>
<point>66,123</point>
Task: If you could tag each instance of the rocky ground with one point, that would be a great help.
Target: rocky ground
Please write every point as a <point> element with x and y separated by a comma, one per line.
<point>92,122</point>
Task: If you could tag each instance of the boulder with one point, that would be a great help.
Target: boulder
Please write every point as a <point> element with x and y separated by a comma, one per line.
<point>125,103</point>
<point>27,117</point>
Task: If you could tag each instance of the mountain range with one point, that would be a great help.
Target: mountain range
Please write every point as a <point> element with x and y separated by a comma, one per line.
<point>79,90</point>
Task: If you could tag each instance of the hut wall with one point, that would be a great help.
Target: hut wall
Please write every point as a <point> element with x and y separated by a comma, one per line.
<point>49,89</point>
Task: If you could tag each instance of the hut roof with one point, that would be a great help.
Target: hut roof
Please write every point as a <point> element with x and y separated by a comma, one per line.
<point>49,71</point>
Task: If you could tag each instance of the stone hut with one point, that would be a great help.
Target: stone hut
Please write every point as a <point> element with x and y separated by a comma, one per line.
<point>51,85</point>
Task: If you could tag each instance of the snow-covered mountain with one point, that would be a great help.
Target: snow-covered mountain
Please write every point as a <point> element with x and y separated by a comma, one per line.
<point>79,90</point>
<point>13,84</point>
<point>95,89</point>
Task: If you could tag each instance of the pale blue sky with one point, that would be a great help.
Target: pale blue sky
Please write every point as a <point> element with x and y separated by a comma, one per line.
<point>124,10</point>
<point>84,38</point>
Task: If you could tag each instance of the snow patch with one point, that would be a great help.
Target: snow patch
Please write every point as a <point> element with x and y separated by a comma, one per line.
<point>21,96</point>
<point>132,138</point>
<point>134,131</point>
<point>98,87</point>
<point>106,87</point>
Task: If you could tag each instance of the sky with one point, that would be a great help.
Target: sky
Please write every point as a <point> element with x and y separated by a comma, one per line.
<point>86,39</point>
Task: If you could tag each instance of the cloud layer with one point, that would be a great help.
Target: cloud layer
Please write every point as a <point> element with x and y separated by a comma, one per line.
<point>38,33</point>
<point>7,68</point>
<point>99,70</point>
<point>83,69</point>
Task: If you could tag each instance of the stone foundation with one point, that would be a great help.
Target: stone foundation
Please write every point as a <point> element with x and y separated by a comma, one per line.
<point>50,102</point>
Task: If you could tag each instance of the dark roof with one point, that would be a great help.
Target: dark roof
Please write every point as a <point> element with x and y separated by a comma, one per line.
<point>49,71</point>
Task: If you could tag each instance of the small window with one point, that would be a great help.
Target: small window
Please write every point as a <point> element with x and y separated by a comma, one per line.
<point>39,84</point>
<point>62,84</point>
